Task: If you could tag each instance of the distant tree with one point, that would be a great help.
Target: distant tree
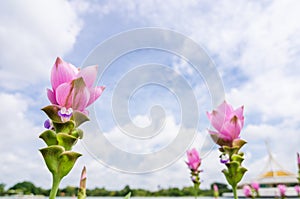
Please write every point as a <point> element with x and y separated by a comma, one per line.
<point>69,191</point>
<point>124,191</point>
<point>24,187</point>
<point>27,188</point>
<point>2,189</point>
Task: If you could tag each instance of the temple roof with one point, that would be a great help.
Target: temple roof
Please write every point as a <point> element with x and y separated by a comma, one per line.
<point>279,173</point>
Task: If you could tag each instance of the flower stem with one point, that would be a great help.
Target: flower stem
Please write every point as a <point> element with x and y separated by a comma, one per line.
<point>196,188</point>
<point>235,196</point>
<point>55,185</point>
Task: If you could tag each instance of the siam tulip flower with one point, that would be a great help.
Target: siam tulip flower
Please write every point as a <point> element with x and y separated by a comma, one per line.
<point>73,88</point>
<point>297,189</point>
<point>194,160</point>
<point>216,191</point>
<point>255,186</point>
<point>298,160</point>
<point>282,190</point>
<point>227,122</point>
<point>82,185</point>
<point>247,191</point>
<point>72,91</point>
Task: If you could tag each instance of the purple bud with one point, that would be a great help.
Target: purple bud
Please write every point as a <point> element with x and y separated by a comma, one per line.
<point>47,124</point>
<point>224,158</point>
<point>65,114</point>
<point>194,179</point>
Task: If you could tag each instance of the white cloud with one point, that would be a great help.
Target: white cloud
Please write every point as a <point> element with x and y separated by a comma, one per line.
<point>19,142</point>
<point>176,174</point>
<point>32,35</point>
<point>260,40</point>
<point>255,46</point>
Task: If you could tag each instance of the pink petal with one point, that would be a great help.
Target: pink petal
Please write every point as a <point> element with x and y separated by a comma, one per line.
<point>226,109</point>
<point>217,119</point>
<point>51,96</point>
<point>209,116</point>
<point>64,95</point>
<point>239,112</point>
<point>89,75</point>
<point>62,72</point>
<point>232,128</point>
<point>95,94</point>
<point>81,94</point>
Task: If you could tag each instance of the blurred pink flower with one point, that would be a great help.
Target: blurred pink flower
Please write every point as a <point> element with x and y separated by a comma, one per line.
<point>227,122</point>
<point>282,189</point>
<point>297,189</point>
<point>247,191</point>
<point>194,160</point>
<point>255,186</point>
<point>73,88</point>
<point>298,160</point>
<point>216,189</point>
<point>82,184</point>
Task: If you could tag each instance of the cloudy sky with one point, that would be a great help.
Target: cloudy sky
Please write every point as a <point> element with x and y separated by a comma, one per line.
<point>255,46</point>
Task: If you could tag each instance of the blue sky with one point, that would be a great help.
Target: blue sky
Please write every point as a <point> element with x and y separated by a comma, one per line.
<point>255,46</point>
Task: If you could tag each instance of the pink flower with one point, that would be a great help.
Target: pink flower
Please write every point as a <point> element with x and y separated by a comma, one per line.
<point>82,184</point>
<point>73,88</point>
<point>282,190</point>
<point>247,191</point>
<point>216,189</point>
<point>194,160</point>
<point>297,189</point>
<point>298,160</point>
<point>255,186</point>
<point>227,122</point>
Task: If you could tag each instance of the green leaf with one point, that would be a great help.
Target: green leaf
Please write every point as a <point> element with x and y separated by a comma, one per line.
<point>81,194</point>
<point>79,118</point>
<point>232,167</point>
<point>49,137</point>
<point>78,133</point>
<point>65,140</point>
<point>230,150</point>
<point>127,196</point>
<point>220,141</point>
<point>240,173</point>
<point>66,162</point>
<point>66,127</point>
<point>51,156</point>
<point>235,173</point>
<point>52,112</point>
<point>237,158</point>
<point>228,177</point>
<point>238,143</point>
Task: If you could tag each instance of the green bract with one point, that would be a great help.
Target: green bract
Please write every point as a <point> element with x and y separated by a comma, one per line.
<point>59,140</point>
<point>234,171</point>
<point>52,112</point>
